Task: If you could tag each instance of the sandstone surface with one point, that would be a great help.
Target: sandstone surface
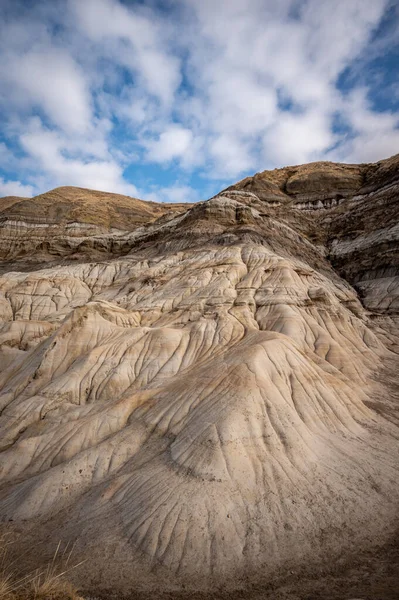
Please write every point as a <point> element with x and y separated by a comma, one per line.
<point>203,395</point>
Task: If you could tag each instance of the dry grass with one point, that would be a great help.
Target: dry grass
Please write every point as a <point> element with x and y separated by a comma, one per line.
<point>50,583</point>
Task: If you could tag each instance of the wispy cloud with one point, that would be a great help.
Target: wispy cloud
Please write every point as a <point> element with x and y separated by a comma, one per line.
<point>97,93</point>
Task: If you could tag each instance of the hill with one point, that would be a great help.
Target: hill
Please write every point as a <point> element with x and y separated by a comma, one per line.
<point>203,396</point>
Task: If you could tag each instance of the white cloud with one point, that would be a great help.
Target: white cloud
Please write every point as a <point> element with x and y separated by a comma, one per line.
<point>375,135</point>
<point>174,193</point>
<point>220,88</point>
<point>132,39</point>
<point>228,156</point>
<point>49,149</point>
<point>172,143</point>
<point>337,31</point>
<point>371,148</point>
<point>264,52</point>
<point>297,138</point>
<point>15,188</point>
<point>51,80</point>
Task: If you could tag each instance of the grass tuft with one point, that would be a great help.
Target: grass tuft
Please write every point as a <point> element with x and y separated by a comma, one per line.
<point>51,583</point>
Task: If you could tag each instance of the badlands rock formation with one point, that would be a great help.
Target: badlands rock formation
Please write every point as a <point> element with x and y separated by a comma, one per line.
<point>203,395</point>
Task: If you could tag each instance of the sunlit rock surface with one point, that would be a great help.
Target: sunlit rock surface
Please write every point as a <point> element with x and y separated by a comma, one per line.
<point>203,395</point>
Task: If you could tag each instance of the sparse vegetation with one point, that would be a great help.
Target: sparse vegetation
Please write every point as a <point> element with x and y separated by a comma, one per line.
<point>50,583</point>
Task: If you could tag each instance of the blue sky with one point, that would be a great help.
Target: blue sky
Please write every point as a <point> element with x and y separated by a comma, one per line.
<point>173,100</point>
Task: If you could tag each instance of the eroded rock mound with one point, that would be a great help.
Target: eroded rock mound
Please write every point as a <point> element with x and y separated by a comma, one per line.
<point>203,404</point>
<point>71,223</point>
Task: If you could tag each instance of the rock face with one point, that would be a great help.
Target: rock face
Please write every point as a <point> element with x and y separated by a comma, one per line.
<point>203,395</point>
<point>72,223</point>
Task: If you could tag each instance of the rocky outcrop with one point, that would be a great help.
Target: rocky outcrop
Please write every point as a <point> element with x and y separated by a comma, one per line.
<point>305,183</point>
<point>350,210</point>
<point>71,223</point>
<point>207,401</point>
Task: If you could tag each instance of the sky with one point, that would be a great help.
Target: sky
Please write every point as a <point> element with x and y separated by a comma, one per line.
<point>173,100</point>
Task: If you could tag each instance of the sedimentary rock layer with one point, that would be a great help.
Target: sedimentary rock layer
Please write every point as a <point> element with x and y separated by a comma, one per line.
<point>202,402</point>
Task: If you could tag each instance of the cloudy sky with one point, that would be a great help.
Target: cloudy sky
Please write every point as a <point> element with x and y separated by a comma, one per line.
<point>174,99</point>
